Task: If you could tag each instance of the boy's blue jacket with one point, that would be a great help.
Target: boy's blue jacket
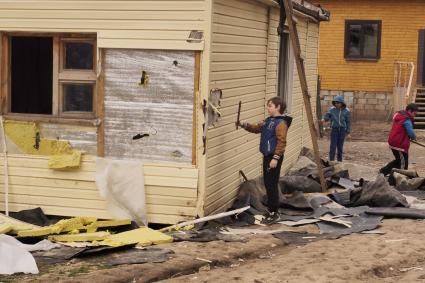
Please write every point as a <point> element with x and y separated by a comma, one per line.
<point>340,118</point>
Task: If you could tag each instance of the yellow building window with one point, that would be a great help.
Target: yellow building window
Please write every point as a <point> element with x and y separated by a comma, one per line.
<point>362,39</point>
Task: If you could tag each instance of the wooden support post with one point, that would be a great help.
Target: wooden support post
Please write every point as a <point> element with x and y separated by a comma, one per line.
<point>293,33</point>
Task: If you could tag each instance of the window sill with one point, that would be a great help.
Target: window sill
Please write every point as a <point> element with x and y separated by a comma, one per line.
<point>53,120</point>
<point>363,59</point>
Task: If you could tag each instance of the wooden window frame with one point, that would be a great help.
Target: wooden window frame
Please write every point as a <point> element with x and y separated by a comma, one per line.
<point>60,76</point>
<point>361,57</point>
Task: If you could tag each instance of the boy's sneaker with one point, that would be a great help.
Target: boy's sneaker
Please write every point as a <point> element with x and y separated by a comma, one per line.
<point>272,218</point>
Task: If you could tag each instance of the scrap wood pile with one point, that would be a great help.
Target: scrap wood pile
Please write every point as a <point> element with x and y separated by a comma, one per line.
<point>71,238</point>
<point>357,198</point>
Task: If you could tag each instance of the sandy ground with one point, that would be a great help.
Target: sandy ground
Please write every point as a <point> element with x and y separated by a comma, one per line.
<point>396,256</point>
<point>355,258</point>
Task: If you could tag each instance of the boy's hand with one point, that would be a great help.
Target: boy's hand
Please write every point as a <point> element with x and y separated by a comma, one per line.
<point>273,164</point>
<point>348,137</point>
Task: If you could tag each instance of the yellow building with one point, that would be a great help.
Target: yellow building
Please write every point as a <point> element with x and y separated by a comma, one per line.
<point>359,48</point>
<point>130,80</point>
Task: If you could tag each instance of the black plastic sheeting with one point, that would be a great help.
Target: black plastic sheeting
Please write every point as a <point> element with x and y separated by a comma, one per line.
<point>34,216</point>
<point>375,194</point>
<point>360,223</point>
<point>397,212</point>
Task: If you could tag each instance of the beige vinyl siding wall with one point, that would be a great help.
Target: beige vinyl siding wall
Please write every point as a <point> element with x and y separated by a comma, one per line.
<point>119,24</point>
<point>229,150</point>
<point>299,133</point>
<point>238,67</point>
<point>171,190</point>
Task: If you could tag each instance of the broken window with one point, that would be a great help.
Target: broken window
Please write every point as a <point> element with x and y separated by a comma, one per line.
<point>362,39</point>
<point>31,78</point>
<point>51,75</point>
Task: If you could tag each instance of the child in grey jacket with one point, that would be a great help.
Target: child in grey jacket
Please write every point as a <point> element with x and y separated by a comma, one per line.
<point>339,117</point>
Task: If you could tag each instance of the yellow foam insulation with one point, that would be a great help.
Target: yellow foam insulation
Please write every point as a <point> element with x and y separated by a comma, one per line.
<point>142,236</point>
<point>82,237</point>
<point>5,228</point>
<point>107,223</point>
<point>23,135</point>
<point>17,225</point>
<point>65,225</point>
<point>64,161</point>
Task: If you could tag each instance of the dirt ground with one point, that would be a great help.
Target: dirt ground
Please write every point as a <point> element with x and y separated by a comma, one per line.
<point>396,256</point>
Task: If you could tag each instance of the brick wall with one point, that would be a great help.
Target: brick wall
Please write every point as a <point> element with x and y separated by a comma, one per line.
<point>363,105</point>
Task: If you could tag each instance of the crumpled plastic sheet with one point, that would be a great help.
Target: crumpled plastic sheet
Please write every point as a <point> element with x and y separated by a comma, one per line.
<point>15,257</point>
<point>121,184</point>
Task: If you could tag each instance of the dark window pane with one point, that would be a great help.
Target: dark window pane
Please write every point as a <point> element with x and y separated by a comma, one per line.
<point>354,33</point>
<point>31,74</point>
<point>362,39</point>
<point>370,48</point>
<point>78,97</point>
<point>79,55</point>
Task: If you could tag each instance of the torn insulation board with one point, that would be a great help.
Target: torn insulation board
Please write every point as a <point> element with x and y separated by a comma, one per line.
<point>65,225</point>
<point>5,228</point>
<point>143,236</point>
<point>82,237</point>
<point>17,225</point>
<point>28,138</point>
<point>107,223</point>
<point>65,161</point>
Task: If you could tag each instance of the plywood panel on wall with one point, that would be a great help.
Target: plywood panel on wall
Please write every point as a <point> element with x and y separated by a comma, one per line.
<point>163,108</point>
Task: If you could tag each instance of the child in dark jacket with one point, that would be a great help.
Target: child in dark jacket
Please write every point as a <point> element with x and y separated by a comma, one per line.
<point>339,116</point>
<point>272,145</point>
<point>399,138</point>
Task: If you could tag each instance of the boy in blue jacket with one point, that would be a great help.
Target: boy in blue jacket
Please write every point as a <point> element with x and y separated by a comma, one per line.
<point>339,117</point>
<point>272,145</point>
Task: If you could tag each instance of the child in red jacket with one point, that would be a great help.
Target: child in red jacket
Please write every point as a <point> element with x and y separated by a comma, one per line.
<point>399,138</point>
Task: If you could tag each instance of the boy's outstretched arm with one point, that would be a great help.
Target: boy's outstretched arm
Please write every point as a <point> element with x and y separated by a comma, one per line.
<point>409,129</point>
<point>253,128</point>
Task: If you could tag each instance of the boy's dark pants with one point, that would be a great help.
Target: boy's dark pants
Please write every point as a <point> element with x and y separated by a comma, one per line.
<point>271,180</point>
<point>337,143</point>
<point>401,161</point>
